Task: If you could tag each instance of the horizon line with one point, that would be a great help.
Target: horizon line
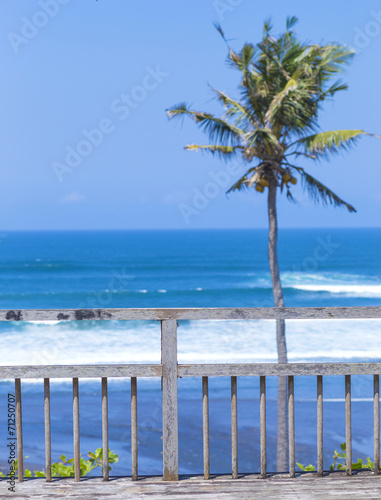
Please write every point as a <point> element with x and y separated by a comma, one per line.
<point>186,229</point>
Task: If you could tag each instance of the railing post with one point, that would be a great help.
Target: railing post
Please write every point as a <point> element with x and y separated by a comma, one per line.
<point>134,429</point>
<point>20,451</point>
<point>105,443</point>
<point>77,454</point>
<point>348,425</point>
<point>291,425</point>
<point>234,428</point>
<point>169,387</point>
<point>205,426</point>
<point>48,438</point>
<point>262,409</point>
<point>320,425</point>
<point>376,416</point>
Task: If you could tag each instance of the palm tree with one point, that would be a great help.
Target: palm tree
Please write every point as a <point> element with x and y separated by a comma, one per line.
<point>271,124</point>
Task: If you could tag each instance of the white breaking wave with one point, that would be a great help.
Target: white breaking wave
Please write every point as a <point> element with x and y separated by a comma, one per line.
<point>198,342</point>
<point>349,290</point>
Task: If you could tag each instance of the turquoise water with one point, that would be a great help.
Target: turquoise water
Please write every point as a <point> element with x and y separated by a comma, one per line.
<point>219,268</point>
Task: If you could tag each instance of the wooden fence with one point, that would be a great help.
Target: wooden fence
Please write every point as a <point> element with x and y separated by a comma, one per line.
<point>170,370</point>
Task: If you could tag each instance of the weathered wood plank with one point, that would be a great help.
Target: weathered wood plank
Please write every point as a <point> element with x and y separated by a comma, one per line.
<point>80,371</point>
<point>305,487</point>
<point>275,369</point>
<point>234,313</point>
<point>170,411</point>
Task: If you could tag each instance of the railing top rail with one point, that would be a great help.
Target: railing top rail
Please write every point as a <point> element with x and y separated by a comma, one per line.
<point>80,371</point>
<point>189,370</point>
<point>234,313</point>
<point>276,369</point>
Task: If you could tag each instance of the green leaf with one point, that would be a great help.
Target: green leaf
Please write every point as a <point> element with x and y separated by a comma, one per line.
<point>300,466</point>
<point>310,468</point>
<point>113,457</point>
<point>343,446</point>
<point>27,473</point>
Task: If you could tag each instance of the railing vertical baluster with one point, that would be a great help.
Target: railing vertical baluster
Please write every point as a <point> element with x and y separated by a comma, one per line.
<point>105,429</point>
<point>77,467</point>
<point>262,411</point>
<point>348,425</point>
<point>48,443</point>
<point>234,428</point>
<point>320,425</point>
<point>291,425</point>
<point>20,451</point>
<point>376,411</point>
<point>134,428</point>
<point>205,426</point>
<point>170,411</point>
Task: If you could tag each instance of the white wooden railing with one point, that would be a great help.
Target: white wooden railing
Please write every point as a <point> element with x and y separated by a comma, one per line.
<point>170,370</point>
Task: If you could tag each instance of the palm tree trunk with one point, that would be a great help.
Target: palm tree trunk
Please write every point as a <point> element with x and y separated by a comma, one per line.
<point>282,445</point>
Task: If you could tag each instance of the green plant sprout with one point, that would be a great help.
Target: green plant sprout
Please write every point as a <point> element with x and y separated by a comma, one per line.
<point>339,459</point>
<point>65,468</point>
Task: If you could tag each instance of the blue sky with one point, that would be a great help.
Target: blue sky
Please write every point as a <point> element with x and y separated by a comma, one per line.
<point>107,71</point>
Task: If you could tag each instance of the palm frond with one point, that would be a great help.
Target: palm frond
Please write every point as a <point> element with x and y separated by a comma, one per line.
<point>243,59</point>
<point>298,153</point>
<point>178,111</point>
<point>334,58</point>
<point>291,21</point>
<point>216,128</point>
<point>318,192</point>
<point>291,197</point>
<point>338,86</point>
<point>235,108</point>
<point>224,152</point>
<point>293,107</point>
<point>219,29</point>
<point>331,141</point>
<point>246,181</point>
<point>265,138</point>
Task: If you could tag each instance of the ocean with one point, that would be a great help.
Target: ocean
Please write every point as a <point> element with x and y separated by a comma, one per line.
<point>208,268</point>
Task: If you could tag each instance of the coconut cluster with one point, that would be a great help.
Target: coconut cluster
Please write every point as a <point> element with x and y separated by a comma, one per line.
<point>263,182</point>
